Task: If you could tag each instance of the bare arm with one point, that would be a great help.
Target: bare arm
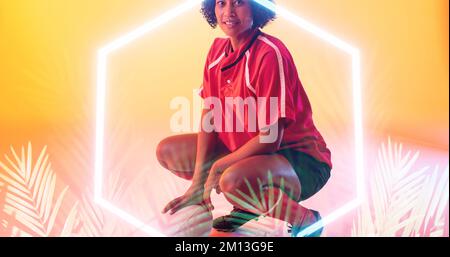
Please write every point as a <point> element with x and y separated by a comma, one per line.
<point>253,147</point>
<point>206,143</point>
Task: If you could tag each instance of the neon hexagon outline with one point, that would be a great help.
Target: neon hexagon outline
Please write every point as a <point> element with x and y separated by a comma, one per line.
<point>172,14</point>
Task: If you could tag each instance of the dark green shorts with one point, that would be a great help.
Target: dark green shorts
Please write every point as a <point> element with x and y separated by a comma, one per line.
<point>313,174</point>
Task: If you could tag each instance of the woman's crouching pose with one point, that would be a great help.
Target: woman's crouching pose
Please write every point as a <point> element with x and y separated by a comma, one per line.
<point>257,143</point>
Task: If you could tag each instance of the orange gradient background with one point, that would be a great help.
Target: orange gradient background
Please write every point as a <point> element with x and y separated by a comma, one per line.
<point>47,51</point>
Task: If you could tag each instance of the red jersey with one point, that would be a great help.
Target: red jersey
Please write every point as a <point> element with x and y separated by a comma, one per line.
<point>263,67</point>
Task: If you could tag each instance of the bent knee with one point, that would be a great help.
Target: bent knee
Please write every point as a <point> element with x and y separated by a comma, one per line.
<point>164,151</point>
<point>161,153</point>
<point>231,180</point>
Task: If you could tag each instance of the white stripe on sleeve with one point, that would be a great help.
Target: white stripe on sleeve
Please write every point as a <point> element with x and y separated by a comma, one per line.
<point>282,76</point>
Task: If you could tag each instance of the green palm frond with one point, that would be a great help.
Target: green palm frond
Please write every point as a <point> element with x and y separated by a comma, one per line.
<point>266,226</point>
<point>253,201</point>
<point>30,195</point>
<point>402,200</point>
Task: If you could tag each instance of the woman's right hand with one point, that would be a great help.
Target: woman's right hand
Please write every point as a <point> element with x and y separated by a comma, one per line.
<point>193,196</point>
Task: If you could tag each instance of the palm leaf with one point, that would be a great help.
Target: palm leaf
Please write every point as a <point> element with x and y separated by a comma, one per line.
<point>5,220</point>
<point>117,180</point>
<point>31,191</point>
<point>71,222</point>
<point>266,226</point>
<point>429,211</point>
<point>402,200</point>
<point>95,220</point>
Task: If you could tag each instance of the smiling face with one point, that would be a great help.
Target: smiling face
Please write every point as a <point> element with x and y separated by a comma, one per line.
<point>234,17</point>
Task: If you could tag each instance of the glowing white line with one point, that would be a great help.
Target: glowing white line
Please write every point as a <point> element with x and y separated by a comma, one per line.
<point>358,127</point>
<point>330,218</point>
<point>147,27</point>
<point>100,105</point>
<point>173,13</point>
<point>357,104</point>
<point>130,219</point>
<point>304,24</point>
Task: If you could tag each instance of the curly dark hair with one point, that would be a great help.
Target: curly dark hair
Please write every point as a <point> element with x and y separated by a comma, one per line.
<point>261,15</point>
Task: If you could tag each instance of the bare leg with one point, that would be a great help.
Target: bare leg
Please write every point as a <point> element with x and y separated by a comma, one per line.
<point>265,184</point>
<point>177,154</point>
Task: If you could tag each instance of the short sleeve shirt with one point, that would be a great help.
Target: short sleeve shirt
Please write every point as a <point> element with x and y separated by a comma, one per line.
<point>262,76</point>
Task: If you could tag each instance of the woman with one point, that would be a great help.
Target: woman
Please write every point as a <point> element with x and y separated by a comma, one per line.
<point>284,160</point>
